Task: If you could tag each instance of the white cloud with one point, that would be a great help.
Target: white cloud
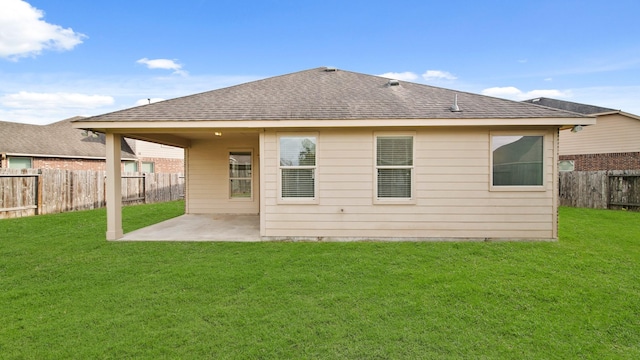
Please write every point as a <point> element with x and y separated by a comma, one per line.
<point>23,33</point>
<point>33,100</point>
<point>438,75</point>
<point>508,91</point>
<point>165,64</point>
<point>513,93</point>
<point>404,76</point>
<point>148,101</point>
<point>44,108</point>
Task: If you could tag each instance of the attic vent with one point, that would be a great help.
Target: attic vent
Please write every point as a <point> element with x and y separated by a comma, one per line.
<point>330,69</point>
<point>455,107</point>
<point>393,83</point>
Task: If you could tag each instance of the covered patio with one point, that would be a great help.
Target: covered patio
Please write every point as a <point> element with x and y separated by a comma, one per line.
<point>201,227</point>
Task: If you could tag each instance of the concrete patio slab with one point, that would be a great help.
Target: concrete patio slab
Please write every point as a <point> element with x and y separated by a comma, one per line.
<point>191,227</point>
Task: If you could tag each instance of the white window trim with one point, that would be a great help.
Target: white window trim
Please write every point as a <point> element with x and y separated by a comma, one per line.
<point>393,201</point>
<point>316,198</point>
<point>253,174</point>
<point>518,188</point>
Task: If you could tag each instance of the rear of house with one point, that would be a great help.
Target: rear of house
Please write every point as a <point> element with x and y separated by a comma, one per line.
<point>335,155</point>
<point>407,183</point>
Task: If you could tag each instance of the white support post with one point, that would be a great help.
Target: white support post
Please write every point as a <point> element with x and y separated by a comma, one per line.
<point>114,187</point>
<point>262,191</point>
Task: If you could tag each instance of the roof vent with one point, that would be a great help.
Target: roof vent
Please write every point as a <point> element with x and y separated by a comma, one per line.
<point>455,107</point>
<point>393,83</point>
<point>330,69</point>
<point>536,100</point>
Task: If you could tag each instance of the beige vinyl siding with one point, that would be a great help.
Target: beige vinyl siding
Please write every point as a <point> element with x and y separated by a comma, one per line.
<point>153,150</point>
<point>612,134</point>
<point>208,176</point>
<point>453,197</point>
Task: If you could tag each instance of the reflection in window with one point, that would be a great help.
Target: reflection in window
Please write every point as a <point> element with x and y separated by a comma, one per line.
<point>517,160</point>
<point>240,175</point>
<point>297,166</point>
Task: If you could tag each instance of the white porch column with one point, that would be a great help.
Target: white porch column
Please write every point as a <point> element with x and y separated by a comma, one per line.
<point>114,187</point>
<point>263,190</point>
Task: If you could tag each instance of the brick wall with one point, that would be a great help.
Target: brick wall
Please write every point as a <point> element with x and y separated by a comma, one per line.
<point>164,165</point>
<point>161,165</point>
<point>69,164</point>
<point>611,161</point>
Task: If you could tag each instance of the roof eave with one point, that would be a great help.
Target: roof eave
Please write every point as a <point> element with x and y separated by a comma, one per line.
<point>116,126</point>
<point>620,112</point>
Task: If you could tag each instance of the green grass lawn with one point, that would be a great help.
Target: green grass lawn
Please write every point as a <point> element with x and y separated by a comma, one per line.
<point>65,292</point>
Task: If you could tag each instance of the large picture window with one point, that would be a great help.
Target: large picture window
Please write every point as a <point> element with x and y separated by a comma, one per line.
<point>240,175</point>
<point>517,160</point>
<point>394,167</point>
<point>297,167</point>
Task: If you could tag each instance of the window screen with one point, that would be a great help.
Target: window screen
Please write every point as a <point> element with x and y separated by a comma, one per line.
<point>297,166</point>
<point>394,166</point>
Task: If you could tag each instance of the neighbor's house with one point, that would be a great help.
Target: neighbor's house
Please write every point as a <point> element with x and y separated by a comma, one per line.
<point>152,157</point>
<point>60,146</point>
<point>332,154</point>
<point>611,145</point>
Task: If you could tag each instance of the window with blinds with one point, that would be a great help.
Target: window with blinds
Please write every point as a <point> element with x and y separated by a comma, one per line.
<point>297,167</point>
<point>394,167</point>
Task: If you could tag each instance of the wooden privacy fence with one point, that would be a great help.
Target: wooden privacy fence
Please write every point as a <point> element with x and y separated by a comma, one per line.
<point>600,189</point>
<point>47,191</point>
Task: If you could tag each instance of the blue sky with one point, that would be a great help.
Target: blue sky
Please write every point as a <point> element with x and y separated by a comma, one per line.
<point>62,58</point>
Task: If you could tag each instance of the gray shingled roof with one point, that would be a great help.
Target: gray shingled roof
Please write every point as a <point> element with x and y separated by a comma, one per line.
<point>56,139</point>
<point>569,106</point>
<point>318,94</point>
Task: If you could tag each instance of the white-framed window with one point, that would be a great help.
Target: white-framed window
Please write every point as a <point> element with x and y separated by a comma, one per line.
<point>240,174</point>
<point>148,167</point>
<point>566,165</point>
<point>517,161</point>
<point>394,163</point>
<point>19,162</point>
<point>297,167</point>
<point>130,166</point>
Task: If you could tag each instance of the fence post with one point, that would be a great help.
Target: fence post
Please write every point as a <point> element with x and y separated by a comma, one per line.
<point>39,193</point>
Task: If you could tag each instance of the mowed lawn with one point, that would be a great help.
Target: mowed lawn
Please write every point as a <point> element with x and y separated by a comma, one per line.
<point>65,292</point>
